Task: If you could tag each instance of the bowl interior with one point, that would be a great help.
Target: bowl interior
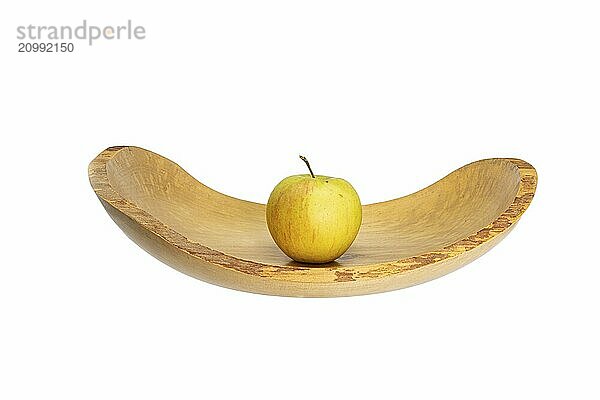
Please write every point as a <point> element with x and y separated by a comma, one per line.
<point>451,209</point>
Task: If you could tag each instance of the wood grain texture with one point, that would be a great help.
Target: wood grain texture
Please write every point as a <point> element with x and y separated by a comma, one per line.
<point>225,241</point>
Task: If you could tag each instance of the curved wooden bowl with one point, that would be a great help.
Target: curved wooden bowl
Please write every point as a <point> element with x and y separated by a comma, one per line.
<point>225,241</point>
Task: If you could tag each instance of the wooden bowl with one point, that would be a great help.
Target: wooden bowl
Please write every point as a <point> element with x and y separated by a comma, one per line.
<point>225,241</point>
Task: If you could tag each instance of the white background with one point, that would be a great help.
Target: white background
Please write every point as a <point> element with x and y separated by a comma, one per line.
<point>389,95</point>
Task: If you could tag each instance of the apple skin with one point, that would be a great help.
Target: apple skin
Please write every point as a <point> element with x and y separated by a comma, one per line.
<point>314,219</point>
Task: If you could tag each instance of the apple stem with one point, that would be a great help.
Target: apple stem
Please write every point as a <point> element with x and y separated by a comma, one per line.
<point>308,165</point>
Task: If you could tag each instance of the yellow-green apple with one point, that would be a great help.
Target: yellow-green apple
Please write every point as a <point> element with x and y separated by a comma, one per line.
<point>313,219</point>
